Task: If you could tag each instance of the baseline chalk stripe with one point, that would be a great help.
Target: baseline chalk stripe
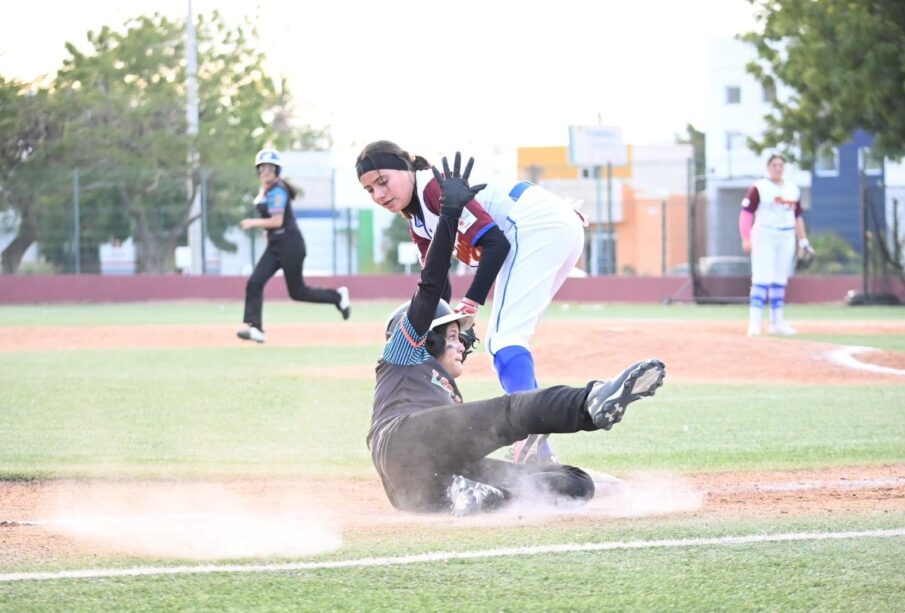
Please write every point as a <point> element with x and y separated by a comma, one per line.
<point>447,556</point>
<point>845,356</point>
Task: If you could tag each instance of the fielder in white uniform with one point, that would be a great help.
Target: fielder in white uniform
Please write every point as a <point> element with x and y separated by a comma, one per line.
<point>544,236</point>
<point>770,223</point>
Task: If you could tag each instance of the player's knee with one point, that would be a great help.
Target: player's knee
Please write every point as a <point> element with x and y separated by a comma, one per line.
<point>254,287</point>
<point>582,484</point>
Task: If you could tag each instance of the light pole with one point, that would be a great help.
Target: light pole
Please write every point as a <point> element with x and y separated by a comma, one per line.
<point>195,229</point>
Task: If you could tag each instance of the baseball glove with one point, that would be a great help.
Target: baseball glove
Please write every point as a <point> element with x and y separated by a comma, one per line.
<point>805,258</point>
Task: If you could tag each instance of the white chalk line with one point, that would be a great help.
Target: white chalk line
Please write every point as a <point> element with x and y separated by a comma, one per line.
<point>845,356</point>
<point>448,556</point>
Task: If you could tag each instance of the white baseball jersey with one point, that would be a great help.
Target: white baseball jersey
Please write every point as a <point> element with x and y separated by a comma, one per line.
<point>546,238</point>
<point>773,205</point>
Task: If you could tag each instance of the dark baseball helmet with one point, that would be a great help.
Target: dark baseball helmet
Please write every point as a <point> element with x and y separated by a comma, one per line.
<point>444,314</point>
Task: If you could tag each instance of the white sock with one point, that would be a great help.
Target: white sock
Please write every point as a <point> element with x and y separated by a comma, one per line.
<point>755,316</point>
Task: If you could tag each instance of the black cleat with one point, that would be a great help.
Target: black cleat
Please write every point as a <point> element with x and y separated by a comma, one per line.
<point>608,400</point>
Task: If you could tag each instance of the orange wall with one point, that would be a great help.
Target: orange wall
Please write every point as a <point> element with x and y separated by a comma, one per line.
<point>640,233</point>
<point>555,163</point>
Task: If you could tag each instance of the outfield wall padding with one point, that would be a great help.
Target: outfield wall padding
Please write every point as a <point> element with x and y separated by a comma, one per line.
<point>143,288</point>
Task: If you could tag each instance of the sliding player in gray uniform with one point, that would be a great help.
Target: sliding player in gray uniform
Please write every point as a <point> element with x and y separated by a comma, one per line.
<point>517,235</point>
<point>429,448</point>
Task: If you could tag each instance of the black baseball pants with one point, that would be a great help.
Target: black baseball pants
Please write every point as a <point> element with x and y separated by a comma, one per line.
<point>286,251</point>
<point>417,454</point>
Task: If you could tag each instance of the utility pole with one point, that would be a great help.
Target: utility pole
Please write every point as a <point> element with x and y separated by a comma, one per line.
<point>611,239</point>
<point>195,229</point>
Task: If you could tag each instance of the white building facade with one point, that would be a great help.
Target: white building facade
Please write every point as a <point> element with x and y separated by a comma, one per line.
<point>737,105</point>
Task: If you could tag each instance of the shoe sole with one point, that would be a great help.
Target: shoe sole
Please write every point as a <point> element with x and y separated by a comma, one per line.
<point>642,382</point>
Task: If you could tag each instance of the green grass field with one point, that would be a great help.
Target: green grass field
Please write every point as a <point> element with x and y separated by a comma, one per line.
<point>207,413</point>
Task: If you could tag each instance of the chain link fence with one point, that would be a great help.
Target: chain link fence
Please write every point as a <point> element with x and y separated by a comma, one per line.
<point>651,218</point>
<point>81,221</point>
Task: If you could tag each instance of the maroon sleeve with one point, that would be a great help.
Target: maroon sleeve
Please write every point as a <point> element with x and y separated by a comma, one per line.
<point>798,209</point>
<point>473,223</point>
<point>753,198</point>
<point>432,196</point>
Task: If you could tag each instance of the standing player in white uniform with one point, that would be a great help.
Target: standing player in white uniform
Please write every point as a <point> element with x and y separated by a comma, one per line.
<point>518,234</point>
<point>770,222</point>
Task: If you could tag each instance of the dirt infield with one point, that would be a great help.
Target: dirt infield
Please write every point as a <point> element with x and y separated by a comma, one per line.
<point>692,350</point>
<point>40,521</point>
<point>195,520</point>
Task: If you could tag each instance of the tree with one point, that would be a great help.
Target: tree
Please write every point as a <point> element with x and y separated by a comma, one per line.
<point>394,235</point>
<point>698,142</point>
<point>843,63</point>
<point>121,104</point>
<point>25,128</point>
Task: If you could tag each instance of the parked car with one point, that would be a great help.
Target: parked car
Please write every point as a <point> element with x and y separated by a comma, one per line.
<point>725,266</point>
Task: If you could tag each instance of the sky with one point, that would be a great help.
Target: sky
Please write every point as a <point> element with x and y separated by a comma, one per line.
<point>445,75</point>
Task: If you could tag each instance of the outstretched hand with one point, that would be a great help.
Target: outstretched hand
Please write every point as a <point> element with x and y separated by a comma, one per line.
<point>455,192</point>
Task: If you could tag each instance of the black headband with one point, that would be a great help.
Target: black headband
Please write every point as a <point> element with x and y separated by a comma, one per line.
<point>377,161</point>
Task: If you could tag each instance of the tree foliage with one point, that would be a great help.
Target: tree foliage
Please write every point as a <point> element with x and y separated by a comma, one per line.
<point>119,109</point>
<point>843,63</point>
<point>26,126</point>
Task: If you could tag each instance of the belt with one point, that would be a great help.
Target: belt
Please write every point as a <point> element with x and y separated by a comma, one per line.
<point>516,192</point>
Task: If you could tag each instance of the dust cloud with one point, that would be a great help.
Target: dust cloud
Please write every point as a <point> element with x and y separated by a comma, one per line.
<point>194,521</point>
<point>643,495</point>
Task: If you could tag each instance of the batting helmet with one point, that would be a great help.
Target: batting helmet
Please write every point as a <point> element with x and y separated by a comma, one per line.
<point>436,343</point>
<point>269,156</point>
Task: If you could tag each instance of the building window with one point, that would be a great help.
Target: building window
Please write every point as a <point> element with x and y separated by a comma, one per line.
<point>827,163</point>
<point>869,162</point>
<point>733,94</point>
<point>769,92</point>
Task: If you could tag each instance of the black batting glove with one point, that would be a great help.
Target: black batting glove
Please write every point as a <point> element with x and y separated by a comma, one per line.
<point>455,192</point>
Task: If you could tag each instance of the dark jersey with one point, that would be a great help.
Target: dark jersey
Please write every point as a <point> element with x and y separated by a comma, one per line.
<point>409,379</point>
<point>275,201</point>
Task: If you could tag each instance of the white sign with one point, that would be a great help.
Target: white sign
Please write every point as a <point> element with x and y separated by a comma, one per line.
<point>184,258</point>
<point>408,254</point>
<point>117,258</point>
<point>596,146</point>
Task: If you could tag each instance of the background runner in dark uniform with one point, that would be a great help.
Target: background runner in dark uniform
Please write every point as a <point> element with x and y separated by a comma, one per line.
<point>429,447</point>
<point>285,249</point>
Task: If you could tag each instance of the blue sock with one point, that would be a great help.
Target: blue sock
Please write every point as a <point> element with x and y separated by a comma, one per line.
<point>777,304</point>
<point>515,368</point>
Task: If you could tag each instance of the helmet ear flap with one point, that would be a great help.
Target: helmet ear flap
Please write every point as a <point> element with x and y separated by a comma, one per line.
<point>435,344</point>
